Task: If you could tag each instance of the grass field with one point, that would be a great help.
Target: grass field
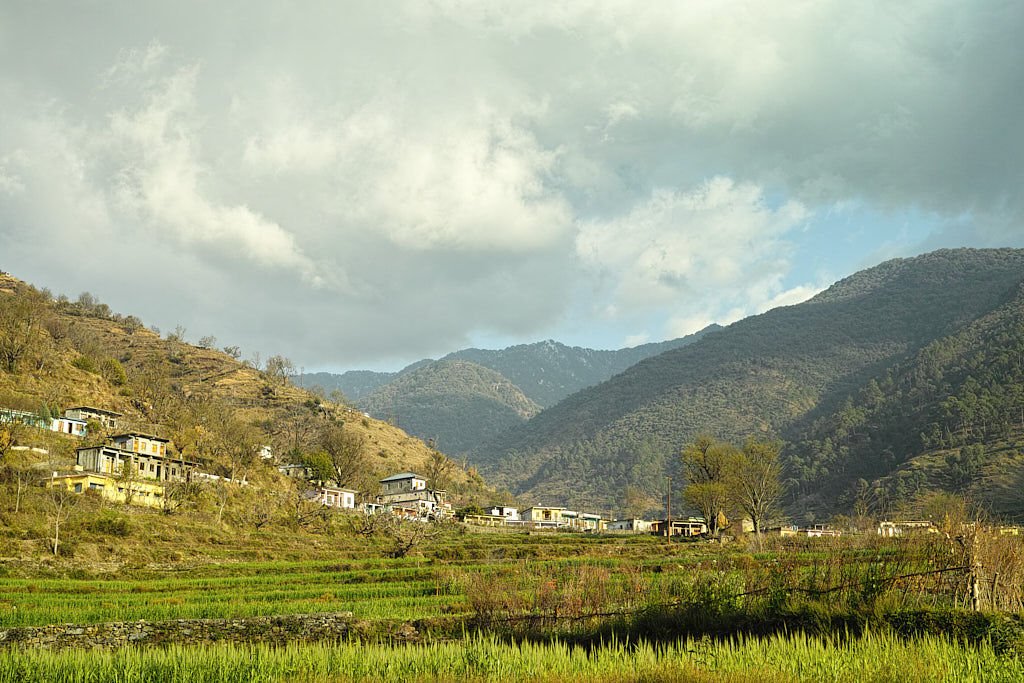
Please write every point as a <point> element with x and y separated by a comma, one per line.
<point>507,606</point>
<point>872,657</point>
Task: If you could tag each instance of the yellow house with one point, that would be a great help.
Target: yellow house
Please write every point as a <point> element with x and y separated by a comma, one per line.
<point>543,516</point>
<point>144,493</point>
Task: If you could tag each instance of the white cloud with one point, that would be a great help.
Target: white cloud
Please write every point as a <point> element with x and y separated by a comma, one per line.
<point>719,239</point>
<point>161,176</point>
<point>419,175</point>
<point>636,339</point>
<point>790,297</point>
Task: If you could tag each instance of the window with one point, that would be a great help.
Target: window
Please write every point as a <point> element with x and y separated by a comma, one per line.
<point>78,488</point>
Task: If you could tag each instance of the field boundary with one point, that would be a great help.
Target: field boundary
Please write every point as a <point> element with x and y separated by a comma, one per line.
<point>274,629</point>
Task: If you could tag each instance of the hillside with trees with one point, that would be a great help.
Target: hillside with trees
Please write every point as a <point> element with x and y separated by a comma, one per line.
<point>212,406</point>
<point>951,417</point>
<point>770,376</point>
<point>453,404</point>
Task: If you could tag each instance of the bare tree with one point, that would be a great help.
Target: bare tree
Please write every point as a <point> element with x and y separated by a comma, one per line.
<point>345,452</point>
<point>755,480</point>
<point>127,478</point>
<point>439,469</point>
<point>706,464</point>
<point>636,502</point>
<point>22,319</point>
<point>13,463</point>
<point>62,500</point>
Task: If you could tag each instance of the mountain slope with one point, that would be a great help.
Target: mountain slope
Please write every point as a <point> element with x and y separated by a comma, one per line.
<point>763,375</point>
<point>950,417</point>
<point>83,354</point>
<point>454,402</point>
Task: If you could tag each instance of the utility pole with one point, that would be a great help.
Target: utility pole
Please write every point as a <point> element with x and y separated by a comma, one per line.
<point>668,521</point>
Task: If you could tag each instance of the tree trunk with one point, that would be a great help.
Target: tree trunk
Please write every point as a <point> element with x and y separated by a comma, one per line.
<point>56,532</point>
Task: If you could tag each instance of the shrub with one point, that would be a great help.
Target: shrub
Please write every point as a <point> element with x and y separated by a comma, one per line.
<point>111,525</point>
<point>84,363</point>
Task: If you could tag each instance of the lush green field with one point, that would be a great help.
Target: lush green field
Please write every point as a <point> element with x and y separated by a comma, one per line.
<point>490,577</point>
<point>872,657</point>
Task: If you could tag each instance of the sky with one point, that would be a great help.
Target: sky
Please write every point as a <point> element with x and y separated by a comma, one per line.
<point>360,185</point>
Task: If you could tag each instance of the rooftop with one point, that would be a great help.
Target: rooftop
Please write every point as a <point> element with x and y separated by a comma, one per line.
<point>403,475</point>
<point>141,435</point>
<point>97,410</point>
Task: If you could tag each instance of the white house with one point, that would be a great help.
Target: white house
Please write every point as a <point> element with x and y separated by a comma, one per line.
<point>632,524</point>
<point>68,425</point>
<point>337,497</point>
<point>506,512</point>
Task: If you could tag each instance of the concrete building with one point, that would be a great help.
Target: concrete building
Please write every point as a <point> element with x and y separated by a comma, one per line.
<point>144,493</point>
<point>147,454</point>
<point>107,418</point>
<point>337,497</point>
<point>543,516</point>
<point>640,526</point>
<point>68,425</point>
<point>407,491</point>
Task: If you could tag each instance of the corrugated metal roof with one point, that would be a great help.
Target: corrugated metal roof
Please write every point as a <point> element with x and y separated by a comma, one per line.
<point>403,475</point>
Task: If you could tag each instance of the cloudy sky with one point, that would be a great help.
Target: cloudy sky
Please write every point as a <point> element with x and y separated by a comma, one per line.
<point>366,184</point>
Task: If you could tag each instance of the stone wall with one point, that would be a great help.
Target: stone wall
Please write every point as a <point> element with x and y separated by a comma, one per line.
<point>277,629</point>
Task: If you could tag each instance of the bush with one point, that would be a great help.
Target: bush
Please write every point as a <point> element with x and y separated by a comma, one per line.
<point>111,525</point>
<point>113,372</point>
<point>84,363</point>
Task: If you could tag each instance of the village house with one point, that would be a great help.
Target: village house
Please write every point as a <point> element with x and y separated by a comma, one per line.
<point>541,516</point>
<point>68,425</point>
<point>143,493</point>
<point>108,418</point>
<point>408,490</point>
<point>632,524</point>
<point>484,520</point>
<point>692,526</point>
<point>300,472</point>
<point>337,497</point>
<point>906,528</point>
<point>587,521</point>
<point>506,512</point>
<point>813,531</point>
<point>148,454</point>
<point>23,417</point>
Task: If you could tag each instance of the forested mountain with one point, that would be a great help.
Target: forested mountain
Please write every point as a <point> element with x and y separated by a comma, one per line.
<point>775,374</point>
<point>546,372</point>
<point>455,403</point>
<point>354,384</point>
<point>950,417</point>
<point>549,371</point>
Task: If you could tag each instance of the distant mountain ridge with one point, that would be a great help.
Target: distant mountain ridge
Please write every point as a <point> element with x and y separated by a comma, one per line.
<point>765,375</point>
<point>545,371</point>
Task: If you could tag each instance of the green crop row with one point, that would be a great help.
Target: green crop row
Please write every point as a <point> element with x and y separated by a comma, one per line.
<point>872,657</point>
